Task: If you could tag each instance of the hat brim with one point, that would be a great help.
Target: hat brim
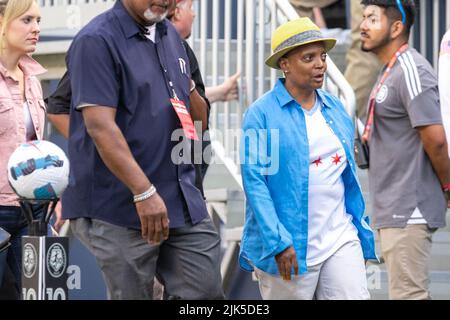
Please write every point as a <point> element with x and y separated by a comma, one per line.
<point>272,61</point>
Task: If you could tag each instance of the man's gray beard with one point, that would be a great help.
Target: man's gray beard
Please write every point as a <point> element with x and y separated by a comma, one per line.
<point>153,17</point>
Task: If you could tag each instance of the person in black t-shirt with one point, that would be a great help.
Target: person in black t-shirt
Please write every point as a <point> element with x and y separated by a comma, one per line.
<point>182,16</point>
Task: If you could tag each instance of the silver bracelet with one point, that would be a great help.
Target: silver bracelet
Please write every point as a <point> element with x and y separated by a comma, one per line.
<point>146,195</point>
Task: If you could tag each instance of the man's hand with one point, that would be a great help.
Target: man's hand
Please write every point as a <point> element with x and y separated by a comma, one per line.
<point>435,144</point>
<point>116,154</point>
<point>230,88</point>
<point>59,222</point>
<point>286,260</point>
<point>227,91</point>
<point>154,221</point>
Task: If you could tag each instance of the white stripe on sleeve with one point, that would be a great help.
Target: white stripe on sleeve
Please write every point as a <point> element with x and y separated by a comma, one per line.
<point>415,71</point>
<point>407,77</point>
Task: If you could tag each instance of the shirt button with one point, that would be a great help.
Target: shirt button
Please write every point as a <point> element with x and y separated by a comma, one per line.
<point>331,122</point>
<point>343,141</point>
<point>181,153</point>
<point>179,180</point>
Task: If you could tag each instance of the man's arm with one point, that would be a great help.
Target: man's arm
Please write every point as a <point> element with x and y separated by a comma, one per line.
<point>435,145</point>
<point>199,104</point>
<point>199,109</point>
<point>58,106</point>
<point>60,122</point>
<point>115,153</point>
<point>227,91</point>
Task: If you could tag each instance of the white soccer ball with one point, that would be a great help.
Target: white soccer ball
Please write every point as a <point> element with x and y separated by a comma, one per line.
<point>38,170</point>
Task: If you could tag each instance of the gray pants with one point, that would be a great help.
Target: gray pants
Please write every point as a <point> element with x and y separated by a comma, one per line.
<point>187,264</point>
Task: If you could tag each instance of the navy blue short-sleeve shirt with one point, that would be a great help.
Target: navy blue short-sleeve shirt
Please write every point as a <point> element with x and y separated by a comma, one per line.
<point>111,63</point>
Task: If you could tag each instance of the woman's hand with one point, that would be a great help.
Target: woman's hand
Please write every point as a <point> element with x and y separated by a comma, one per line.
<point>285,261</point>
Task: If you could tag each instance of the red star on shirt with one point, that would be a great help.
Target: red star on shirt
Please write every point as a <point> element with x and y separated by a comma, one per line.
<point>317,162</point>
<point>336,159</point>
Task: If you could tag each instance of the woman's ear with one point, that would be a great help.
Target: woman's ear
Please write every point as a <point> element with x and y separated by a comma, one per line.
<point>284,65</point>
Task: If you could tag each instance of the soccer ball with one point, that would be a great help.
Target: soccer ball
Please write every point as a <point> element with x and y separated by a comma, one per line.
<point>38,170</point>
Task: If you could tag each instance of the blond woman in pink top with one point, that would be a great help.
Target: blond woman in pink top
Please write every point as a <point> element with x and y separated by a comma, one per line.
<point>22,116</point>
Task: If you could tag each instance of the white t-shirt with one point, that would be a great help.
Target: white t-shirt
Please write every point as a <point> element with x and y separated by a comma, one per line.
<point>151,32</point>
<point>329,225</point>
<point>444,83</point>
<point>29,126</point>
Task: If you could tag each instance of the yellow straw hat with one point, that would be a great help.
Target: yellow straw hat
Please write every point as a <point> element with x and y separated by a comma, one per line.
<point>293,34</point>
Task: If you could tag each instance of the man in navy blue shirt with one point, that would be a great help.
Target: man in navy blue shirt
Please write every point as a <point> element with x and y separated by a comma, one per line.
<point>127,186</point>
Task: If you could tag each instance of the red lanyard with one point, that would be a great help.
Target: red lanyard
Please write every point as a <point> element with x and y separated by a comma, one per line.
<point>370,118</point>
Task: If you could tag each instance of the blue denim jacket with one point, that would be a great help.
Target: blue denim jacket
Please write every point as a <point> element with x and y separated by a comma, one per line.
<point>275,172</point>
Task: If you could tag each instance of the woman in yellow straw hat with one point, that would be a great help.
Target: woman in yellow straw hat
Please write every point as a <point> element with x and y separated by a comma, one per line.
<point>305,233</point>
